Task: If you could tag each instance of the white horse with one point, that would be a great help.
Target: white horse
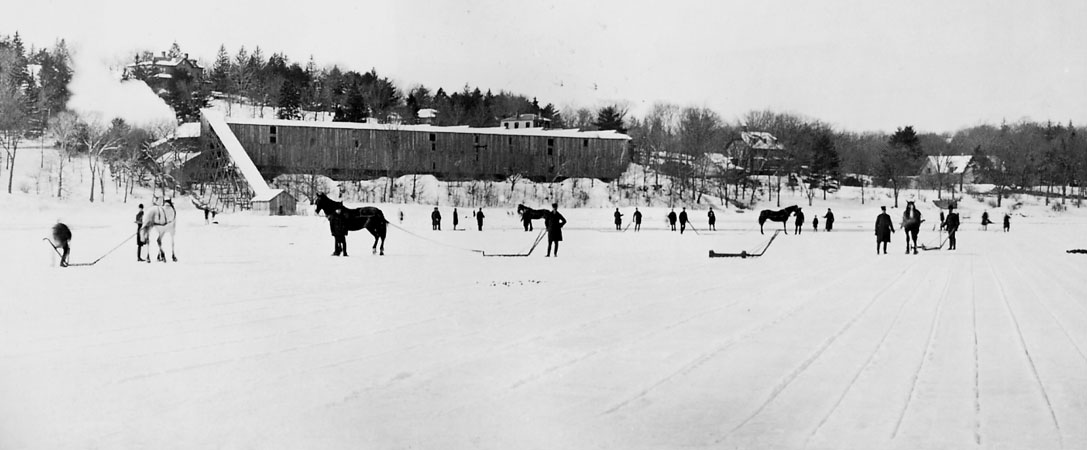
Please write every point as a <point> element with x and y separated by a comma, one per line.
<point>163,219</point>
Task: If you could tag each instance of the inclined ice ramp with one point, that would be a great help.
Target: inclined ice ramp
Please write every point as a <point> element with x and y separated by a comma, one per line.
<point>237,153</point>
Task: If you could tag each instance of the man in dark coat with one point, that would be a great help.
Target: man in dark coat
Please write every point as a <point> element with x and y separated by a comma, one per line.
<point>884,228</point>
<point>436,219</point>
<point>985,221</point>
<point>712,219</point>
<point>139,242</point>
<point>456,220</point>
<point>554,223</point>
<point>830,220</point>
<point>682,220</point>
<point>479,219</point>
<point>672,219</point>
<point>637,220</point>
<point>815,224</point>
<point>951,224</point>
<point>799,221</point>
<point>618,220</point>
<point>337,224</point>
<point>1007,222</point>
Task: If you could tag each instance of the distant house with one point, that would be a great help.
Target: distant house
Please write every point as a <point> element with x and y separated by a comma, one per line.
<point>957,168</point>
<point>427,116</point>
<point>158,71</point>
<point>275,202</point>
<point>525,121</point>
<point>756,152</point>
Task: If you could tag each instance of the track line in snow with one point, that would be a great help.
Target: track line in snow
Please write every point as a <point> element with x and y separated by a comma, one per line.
<point>924,357</point>
<point>703,358</point>
<point>977,372</point>
<point>796,372</point>
<point>864,366</point>
<point>1056,319</point>
<point>1030,359</point>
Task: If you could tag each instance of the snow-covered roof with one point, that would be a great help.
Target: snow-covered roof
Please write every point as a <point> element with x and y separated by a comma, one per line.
<point>175,158</point>
<point>428,113</point>
<point>164,62</point>
<point>950,164</point>
<point>188,130</point>
<point>267,196</point>
<point>761,140</point>
<point>572,133</point>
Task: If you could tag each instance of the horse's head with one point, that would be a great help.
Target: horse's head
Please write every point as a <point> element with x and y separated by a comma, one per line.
<point>321,202</point>
<point>520,209</point>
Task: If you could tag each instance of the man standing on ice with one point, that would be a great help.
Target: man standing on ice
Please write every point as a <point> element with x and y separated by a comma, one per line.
<point>554,222</point>
<point>479,219</point>
<point>951,224</point>
<point>815,224</point>
<point>637,219</point>
<point>884,228</point>
<point>712,220</point>
<point>830,220</point>
<point>1007,222</point>
<point>682,220</point>
<point>436,220</point>
<point>618,220</point>
<point>456,220</point>
<point>799,221</point>
<point>337,224</point>
<point>672,219</point>
<point>139,242</point>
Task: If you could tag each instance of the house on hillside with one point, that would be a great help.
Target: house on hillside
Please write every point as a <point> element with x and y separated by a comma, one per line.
<point>525,121</point>
<point>953,169</point>
<point>158,71</point>
<point>756,152</point>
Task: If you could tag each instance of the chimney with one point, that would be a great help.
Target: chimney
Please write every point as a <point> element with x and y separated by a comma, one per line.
<point>186,56</point>
<point>163,54</point>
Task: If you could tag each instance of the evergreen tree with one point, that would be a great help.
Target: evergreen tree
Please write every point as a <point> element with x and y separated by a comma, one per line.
<point>610,118</point>
<point>901,158</point>
<point>175,51</point>
<point>220,72</point>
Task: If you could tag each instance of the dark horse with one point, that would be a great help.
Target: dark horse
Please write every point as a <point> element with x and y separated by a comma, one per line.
<point>911,223</point>
<point>528,215</point>
<point>777,216</point>
<point>367,217</point>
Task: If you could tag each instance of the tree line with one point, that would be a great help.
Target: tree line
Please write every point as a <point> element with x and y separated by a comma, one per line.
<point>814,156</point>
<point>1024,156</point>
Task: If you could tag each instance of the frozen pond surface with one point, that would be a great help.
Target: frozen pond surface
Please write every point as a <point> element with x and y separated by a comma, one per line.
<point>259,339</point>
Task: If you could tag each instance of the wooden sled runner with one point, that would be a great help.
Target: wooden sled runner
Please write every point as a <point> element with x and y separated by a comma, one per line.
<point>745,254</point>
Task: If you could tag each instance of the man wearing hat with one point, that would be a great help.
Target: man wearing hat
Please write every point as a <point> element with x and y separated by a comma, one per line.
<point>554,222</point>
<point>884,228</point>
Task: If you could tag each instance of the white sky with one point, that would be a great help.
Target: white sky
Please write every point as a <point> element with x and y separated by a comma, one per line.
<point>857,64</point>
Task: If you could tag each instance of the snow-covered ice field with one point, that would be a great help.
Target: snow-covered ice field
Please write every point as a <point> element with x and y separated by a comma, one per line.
<point>259,339</point>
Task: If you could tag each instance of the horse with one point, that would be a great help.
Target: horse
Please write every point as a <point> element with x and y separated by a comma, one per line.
<point>162,219</point>
<point>911,223</point>
<point>528,215</point>
<point>777,216</point>
<point>61,236</point>
<point>368,217</point>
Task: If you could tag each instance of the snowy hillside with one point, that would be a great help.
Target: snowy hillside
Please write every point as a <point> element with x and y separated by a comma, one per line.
<point>258,338</point>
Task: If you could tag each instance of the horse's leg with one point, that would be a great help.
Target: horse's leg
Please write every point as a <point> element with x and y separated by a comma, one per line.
<point>173,253</point>
<point>162,253</point>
